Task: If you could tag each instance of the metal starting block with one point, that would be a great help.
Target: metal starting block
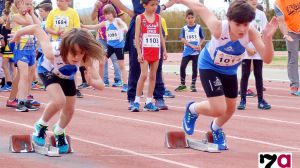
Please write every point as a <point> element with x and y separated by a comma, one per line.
<point>24,144</point>
<point>53,143</point>
<point>47,150</point>
<point>20,144</point>
<point>178,139</point>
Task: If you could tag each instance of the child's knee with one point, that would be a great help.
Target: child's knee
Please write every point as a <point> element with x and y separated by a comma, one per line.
<point>143,76</point>
<point>219,111</point>
<point>59,102</point>
<point>152,77</point>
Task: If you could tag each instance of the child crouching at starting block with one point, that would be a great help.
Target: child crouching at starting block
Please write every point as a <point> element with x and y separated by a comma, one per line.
<point>57,68</point>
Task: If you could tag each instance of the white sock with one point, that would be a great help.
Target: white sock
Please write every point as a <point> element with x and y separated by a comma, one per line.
<point>192,109</point>
<point>137,99</point>
<point>148,100</point>
<point>58,130</point>
<point>42,122</point>
<point>214,126</point>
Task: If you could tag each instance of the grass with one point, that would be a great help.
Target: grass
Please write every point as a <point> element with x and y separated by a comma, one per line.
<point>279,62</point>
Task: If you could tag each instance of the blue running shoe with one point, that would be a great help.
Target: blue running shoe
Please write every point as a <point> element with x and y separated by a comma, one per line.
<point>124,88</point>
<point>118,83</point>
<point>262,104</point>
<point>130,104</point>
<point>160,103</point>
<point>219,138</point>
<point>61,143</point>
<point>39,134</point>
<point>150,107</point>
<point>168,94</point>
<point>242,105</point>
<point>5,88</point>
<point>135,107</point>
<point>189,120</point>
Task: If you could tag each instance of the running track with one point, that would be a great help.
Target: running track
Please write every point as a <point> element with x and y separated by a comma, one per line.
<point>105,134</point>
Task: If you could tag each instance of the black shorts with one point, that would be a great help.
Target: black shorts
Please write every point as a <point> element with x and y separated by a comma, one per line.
<point>39,54</point>
<point>68,86</point>
<point>118,51</point>
<point>217,84</point>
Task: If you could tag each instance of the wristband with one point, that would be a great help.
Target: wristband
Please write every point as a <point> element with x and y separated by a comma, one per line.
<point>163,7</point>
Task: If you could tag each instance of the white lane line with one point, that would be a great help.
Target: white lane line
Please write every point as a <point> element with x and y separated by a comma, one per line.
<point>255,104</point>
<point>268,119</point>
<point>235,115</point>
<point>179,127</point>
<point>112,147</point>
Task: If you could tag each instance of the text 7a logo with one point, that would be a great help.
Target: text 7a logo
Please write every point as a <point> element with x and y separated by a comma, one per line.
<point>275,160</point>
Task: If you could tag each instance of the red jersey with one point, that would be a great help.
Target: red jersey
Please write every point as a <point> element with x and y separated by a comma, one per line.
<point>150,39</point>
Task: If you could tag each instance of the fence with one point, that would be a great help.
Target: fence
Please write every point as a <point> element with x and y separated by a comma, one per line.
<point>174,44</point>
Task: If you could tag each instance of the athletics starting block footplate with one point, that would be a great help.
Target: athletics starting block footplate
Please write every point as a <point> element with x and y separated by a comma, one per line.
<point>53,143</point>
<point>178,139</point>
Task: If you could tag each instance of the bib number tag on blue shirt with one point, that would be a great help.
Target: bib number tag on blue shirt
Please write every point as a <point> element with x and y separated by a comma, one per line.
<point>112,35</point>
<point>223,59</point>
<point>191,37</point>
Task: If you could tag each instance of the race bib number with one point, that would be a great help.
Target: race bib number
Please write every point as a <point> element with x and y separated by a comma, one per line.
<point>223,59</point>
<point>112,35</point>
<point>151,40</point>
<point>61,21</point>
<point>191,37</point>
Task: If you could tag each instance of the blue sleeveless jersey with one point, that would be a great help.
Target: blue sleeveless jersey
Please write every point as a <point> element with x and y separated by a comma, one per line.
<point>223,55</point>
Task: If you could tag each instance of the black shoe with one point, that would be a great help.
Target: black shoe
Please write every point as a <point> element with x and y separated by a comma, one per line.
<point>30,106</point>
<point>193,88</point>
<point>21,107</point>
<point>79,94</point>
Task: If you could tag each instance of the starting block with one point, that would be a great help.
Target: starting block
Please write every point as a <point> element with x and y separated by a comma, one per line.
<point>178,139</point>
<point>20,144</point>
<point>53,143</point>
<point>24,144</point>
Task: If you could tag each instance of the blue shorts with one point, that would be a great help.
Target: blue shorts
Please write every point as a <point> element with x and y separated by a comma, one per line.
<point>26,56</point>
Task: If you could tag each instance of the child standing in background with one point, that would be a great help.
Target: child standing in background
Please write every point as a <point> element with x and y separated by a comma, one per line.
<point>192,37</point>
<point>259,23</point>
<point>61,20</point>
<point>24,57</point>
<point>7,59</point>
<point>115,29</point>
<point>148,38</point>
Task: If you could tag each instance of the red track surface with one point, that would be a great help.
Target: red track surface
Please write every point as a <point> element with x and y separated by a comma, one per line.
<point>105,134</point>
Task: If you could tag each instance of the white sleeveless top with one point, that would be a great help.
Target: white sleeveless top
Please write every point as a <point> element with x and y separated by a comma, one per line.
<point>223,55</point>
<point>59,68</point>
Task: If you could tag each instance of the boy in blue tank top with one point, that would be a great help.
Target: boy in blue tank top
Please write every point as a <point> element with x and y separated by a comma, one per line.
<point>192,37</point>
<point>219,60</point>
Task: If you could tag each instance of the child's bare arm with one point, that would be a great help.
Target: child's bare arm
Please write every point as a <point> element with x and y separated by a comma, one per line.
<point>35,19</point>
<point>213,24</point>
<point>24,21</point>
<point>137,37</point>
<point>122,25</point>
<point>2,40</point>
<point>41,36</point>
<point>92,76</point>
<point>121,6</point>
<point>93,27</point>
